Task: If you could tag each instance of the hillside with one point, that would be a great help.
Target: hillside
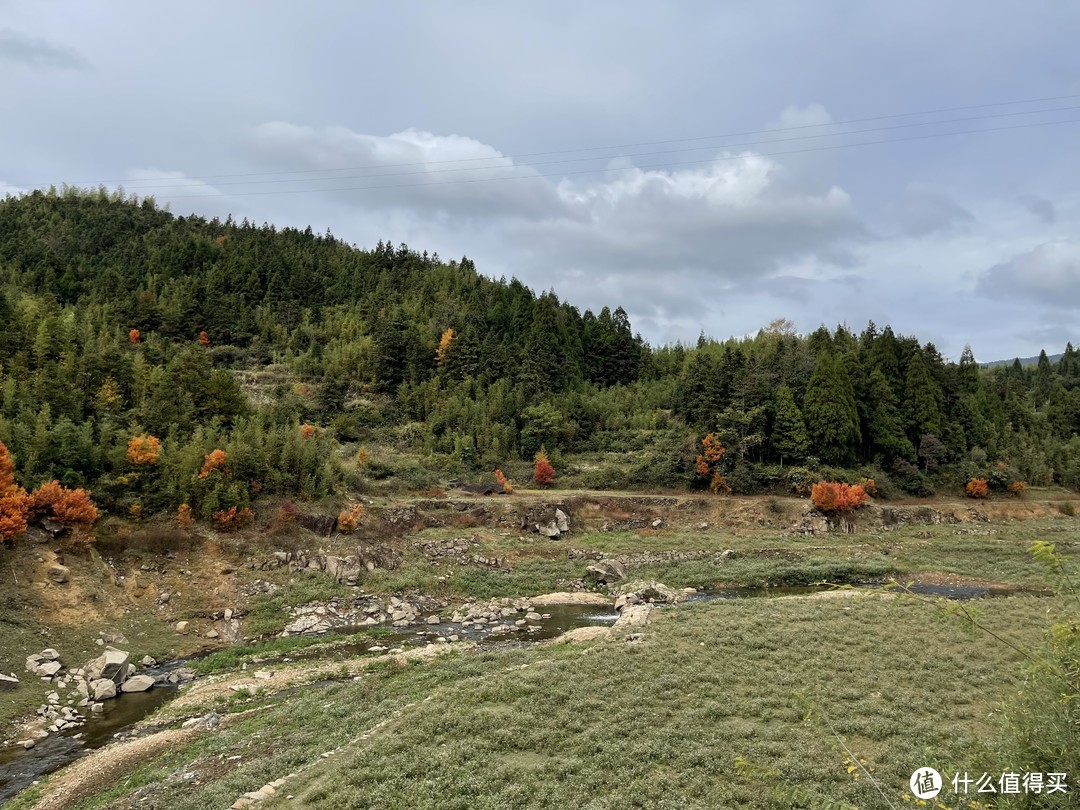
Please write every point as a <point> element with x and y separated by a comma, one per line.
<point>317,368</point>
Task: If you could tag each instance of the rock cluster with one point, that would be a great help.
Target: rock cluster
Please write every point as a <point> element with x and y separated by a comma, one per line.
<point>640,592</point>
<point>499,616</point>
<point>550,520</point>
<point>100,679</point>
<point>363,611</point>
<point>346,570</point>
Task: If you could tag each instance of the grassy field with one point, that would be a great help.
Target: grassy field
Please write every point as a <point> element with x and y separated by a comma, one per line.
<point>657,722</point>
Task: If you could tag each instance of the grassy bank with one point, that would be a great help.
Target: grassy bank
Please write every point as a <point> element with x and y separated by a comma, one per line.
<point>660,722</point>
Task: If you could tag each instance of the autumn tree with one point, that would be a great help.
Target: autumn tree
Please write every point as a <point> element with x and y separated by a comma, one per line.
<point>68,507</point>
<point>349,519</point>
<point>204,339</point>
<point>543,472</point>
<point>977,488</point>
<point>144,450</point>
<point>14,502</point>
<point>214,462</point>
<point>134,336</point>
<point>444,346</point>
<point>708,464</point>
<point>504,482</point>
<point>834,498</point>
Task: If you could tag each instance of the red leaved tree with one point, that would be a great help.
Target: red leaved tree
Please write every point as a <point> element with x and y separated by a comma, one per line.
<point>204,339</point>
<point>708,464</point>
<point>348,520</point>
<point>977,488</point>
<point>134,336</point>
<point>834,498</point>
<point>543,472</point>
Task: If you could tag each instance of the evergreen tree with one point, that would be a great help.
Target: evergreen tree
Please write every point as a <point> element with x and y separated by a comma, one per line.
<point>832,419</point>
<point>789,438</point>
<point>922,400</point>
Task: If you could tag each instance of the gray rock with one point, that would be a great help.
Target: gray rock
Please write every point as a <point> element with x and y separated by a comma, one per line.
<point>49,668</point>
<point>103,689</point>
<point>562,521</point>
<point>137,683</point>
<point>49,655</point>
<point>8,682</point>
<point>112,664</point>
<point>607,571</point>
<point>181,627</point>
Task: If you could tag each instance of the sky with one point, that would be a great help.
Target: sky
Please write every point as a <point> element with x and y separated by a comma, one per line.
<point>708,166</point>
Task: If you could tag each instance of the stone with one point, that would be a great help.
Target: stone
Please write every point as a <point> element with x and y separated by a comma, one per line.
<point>562,521</point>
<point>164,597</point>
<point>8,682</point>
<point>112,664</point>
<point>137,683</point>
<point>606,571</point>
<point>532,617</point>
<point>263,675</point>
<point>58,573</point>
<point>49,668</point>
<point>97,708</point>
<point>27,744</point>
<point>147,661</point>
<point>181,627</point>
<point>103,689</point>
<point>49,655</point>
<point>114,638</point>
<point>434,620</point>
<point>212,634</point>
<point>656,524</point>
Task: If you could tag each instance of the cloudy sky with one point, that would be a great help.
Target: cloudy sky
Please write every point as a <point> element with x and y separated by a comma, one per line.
<point>708,166</point>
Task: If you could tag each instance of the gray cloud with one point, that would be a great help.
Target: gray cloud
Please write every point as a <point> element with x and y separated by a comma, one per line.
<point>1049,275</point>
<point>1042,208</point>
<point>36,53</point>
<point>922,210</point>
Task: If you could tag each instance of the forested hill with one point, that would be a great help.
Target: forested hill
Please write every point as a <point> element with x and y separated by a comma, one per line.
<point>134,343</point>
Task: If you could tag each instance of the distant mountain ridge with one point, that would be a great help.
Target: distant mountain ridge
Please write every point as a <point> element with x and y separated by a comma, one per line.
<point>1024,361</point>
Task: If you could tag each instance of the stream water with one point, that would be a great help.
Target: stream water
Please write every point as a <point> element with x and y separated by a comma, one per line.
<point>19,768</point>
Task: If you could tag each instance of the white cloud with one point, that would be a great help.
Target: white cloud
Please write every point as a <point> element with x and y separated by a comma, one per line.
<point>1048,275</point>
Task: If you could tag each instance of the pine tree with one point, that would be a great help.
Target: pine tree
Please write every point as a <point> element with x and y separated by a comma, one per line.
<point>789,437</point>
<point>922,400</point>
<point>832,419</point>
<point>886,429</point>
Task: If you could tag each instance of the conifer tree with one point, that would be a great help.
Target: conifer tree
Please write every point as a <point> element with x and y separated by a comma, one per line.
<point>789,439</point>
<point>832,420</point>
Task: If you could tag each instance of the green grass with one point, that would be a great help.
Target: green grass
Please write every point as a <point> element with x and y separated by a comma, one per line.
<point>658,723</point>
<point>235,657</point>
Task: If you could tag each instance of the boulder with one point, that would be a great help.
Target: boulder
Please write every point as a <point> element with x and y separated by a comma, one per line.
<point>58,573</point>
<point>606,571</point>
<point>181,627</point>
<point>8,682</point>
<point>49,655</point>
<point>137,683</point>
<point>640,591</point>
<point>49,668</point>
<point>103,689</point>
<point>112,664</point>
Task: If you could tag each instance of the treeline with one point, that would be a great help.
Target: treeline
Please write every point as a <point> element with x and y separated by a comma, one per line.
<point>291,351</point>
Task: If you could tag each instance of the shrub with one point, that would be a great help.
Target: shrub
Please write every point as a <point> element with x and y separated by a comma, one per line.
<point>504,482</point>
<point>1017,488</point>
<point>183,516</point>
<point>833,498</point>
<point>1067,509</point>
<point>214,462</point>
<point>68,507</point>
<point>977,488</point>
<point>232,519</point>
<point>348,520</point>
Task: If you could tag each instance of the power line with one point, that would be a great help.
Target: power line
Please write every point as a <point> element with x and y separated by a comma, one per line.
<point>615,146</point>
<point>538,175</point>
<point>610,157</point>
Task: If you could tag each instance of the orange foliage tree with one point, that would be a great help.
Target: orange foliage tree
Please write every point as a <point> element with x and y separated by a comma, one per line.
<point>307,431</point>
<point>134,336</point>
<point>543,472</point>
<point>14,502</point>
<point>144,449</point>
<point>444,345</point>
<point>1017,488</point>
<point>68,507</point>
<point>232,519</point>
<point>214,462</point>
<point>708,463</point>
<point>977,488</point>
<point>503,482</point>
<point>348,520</point>
<point>204,339</point>
<point>833,498</point>
<point>183,516</point>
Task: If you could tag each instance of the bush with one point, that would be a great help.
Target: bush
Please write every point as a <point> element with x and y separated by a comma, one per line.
<point>834,498</point>
<point>1067,509</point>
<point>977,488</point>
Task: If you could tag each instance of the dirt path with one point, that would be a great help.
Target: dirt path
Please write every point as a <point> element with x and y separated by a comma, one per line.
<point>96,771</point>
